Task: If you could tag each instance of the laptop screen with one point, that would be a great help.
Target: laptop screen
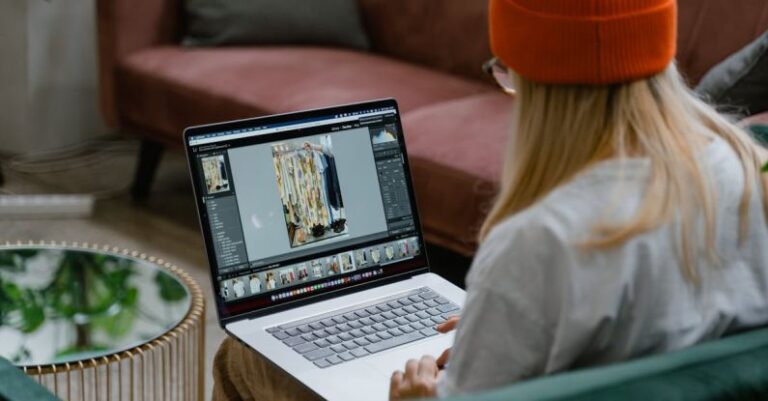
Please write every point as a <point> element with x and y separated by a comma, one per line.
<point>302,204</point>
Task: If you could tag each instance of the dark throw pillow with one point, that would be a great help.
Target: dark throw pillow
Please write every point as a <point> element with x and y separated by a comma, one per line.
<point>274,22</point>
<point>741,80</point>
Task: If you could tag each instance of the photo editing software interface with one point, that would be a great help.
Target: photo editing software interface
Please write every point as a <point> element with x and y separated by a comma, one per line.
<point>325,205</point>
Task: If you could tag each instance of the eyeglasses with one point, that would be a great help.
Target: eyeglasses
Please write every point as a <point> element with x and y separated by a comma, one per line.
<point>500,73</point>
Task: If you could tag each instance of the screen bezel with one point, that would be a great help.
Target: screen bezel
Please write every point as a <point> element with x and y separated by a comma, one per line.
<point>250,307</point>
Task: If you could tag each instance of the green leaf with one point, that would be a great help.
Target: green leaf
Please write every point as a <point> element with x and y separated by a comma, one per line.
<point>170,289</point>
<point>32,316</point>
<point>765,168</point>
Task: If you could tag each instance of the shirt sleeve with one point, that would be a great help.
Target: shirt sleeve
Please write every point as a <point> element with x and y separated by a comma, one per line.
<point>515,299</point>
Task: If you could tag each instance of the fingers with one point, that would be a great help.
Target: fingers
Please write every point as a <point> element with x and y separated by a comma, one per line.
<point>394,385</point>
<point>443,359</point>
<point>448,325</point>
<point>427,367</point>
<point>411,370</point>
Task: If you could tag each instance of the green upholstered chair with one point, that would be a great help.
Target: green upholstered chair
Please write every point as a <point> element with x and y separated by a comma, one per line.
<point>729,369</point>
<point>16,386</point>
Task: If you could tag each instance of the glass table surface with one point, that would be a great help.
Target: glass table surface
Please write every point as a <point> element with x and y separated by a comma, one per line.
<point>60,304</point>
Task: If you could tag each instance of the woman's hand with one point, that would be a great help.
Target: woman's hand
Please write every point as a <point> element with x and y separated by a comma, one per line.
<point>445,327</point>
<point>418,381</point>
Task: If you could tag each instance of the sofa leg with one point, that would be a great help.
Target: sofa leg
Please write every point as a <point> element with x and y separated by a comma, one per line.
<point>150,154</point>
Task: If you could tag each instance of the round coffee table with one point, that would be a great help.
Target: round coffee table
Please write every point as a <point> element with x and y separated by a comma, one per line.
<point>99,322</point>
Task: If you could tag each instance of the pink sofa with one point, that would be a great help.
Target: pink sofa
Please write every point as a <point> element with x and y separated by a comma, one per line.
<point>426,54</point>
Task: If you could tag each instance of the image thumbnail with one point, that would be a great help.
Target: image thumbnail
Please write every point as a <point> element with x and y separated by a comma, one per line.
<point>317,269</point>
<point>332,265</point>
<point>308,182</point>
<point>215,172</point>
<point>270,280</point>
<point>287,276</point>
<point>346,262</point>
<point>255,284</point>
<point>383,135</point>
<point>302,272</point>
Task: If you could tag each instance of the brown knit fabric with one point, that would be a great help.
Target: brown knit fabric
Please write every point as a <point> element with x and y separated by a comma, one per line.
<point>240,374</point>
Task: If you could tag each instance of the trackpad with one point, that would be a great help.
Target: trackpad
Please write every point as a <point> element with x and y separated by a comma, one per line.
<point>390,361</point>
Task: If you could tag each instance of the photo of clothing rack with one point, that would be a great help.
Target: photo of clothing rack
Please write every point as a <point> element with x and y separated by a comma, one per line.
<point>308,182</point>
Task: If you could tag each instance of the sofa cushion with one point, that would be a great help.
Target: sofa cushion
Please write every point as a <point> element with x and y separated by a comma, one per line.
<point>455,149</point>
<point>167,89</point>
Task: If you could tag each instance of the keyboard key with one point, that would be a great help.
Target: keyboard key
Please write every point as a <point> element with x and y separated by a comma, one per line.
<point>404,301</point>
<point>390,324</point>
<point>395,332</point>
<point>281,335</point>
<point>373,338</point>
<point>441,301</point>
<point>309,337</point>
<point>322,363</point>
<point>417,325</point>
<point>401,321</point>
<point>355,324</point>
<point>412,318</point>
<point>344,327</point>
<point>384,335</point>
<point>339,319</point>
<point>428,295</point>
<point>415,298</point>
<point>360,352</point>
<point>304,328</point>
<point>379,327</point>
<point>388,315</point>
<point>350,345</point>
<point>422,314</point>
<point>368,330</point>
<point>406,329</point>
<point>320,353</point>
<point>357,333</point>
<point>438,319</point>
<point>350,316</point>
<point>431,303</point>
<point>293,341</point>
<point>328,322</point>
<point>378,318</point>
<point>393,304</point>
<point>333,360</point>
<point>331,330</point>
<point>383,307</point>
<point>273,330</point>
<point>293,332</point>
<point>399,312</point>
<point>304,348</point>
<point>320,333</point>
<point>429,332</point>
<point>316,325</point>
<point>394,342</point>
<point>322,343</point>
<point>345,336</point>
<point>372,310</point>
<point>366,321</point>
<point>434,311</point>
<point>338,348</point>
<point>362,342</point>
<point>346,356</point>
<point>410,309</point>
<point>333,339</point>
<point>362,313</point>
<point>421,306</point>
<point>447,308</point>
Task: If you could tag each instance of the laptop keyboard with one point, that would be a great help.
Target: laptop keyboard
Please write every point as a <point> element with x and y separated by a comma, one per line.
<point>339,337</point>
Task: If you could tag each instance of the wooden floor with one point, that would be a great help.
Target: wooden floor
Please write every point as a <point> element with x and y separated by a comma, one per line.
<point>166,226</point>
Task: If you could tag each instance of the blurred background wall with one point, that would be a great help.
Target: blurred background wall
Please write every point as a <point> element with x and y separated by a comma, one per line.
<point>48,78</point>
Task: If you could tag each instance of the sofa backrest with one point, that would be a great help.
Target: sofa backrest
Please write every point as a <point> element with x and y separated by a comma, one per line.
<point>452,35</point>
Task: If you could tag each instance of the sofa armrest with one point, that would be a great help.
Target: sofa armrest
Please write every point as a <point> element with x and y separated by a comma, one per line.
<point>125,26</point>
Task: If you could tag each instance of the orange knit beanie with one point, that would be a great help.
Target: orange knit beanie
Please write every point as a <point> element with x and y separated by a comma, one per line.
<point>584,41</point>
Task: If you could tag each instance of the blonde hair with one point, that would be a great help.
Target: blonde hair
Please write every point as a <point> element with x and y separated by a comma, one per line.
<point>563,129</point>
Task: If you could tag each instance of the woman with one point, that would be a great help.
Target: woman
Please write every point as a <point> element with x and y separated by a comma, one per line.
<point>631,218</point>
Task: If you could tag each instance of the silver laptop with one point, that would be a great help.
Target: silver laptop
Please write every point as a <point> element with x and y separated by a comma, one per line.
<point>316,253</point>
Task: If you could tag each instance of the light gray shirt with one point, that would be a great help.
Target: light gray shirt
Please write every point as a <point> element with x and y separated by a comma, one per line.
<point>538,304</point>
